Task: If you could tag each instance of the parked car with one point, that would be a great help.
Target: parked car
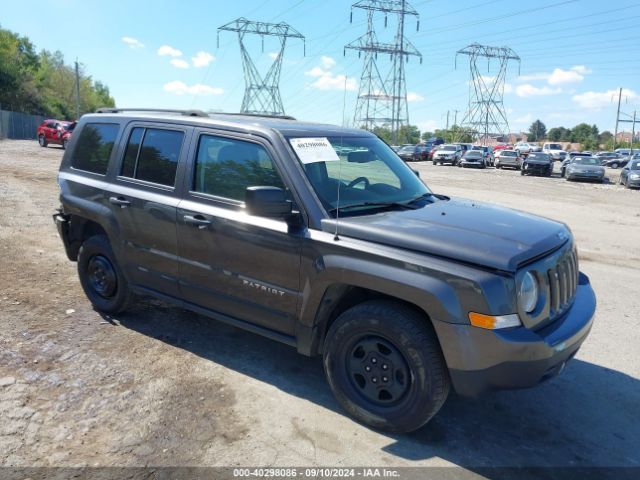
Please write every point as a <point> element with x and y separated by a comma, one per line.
<point>523,148</point>
<point>465,146</point>
<point>403,292</point>
<point>509,159</point>
<point>447,153</point>
<point>413,153</point>
<point>585,168</point>
<point>395,148</point>
<point>537,163</point>
<point>56,132</point>
<point>623,152</point>
<point>535,147</point>
<point>502,146</point>
<point>572,156</point>
<point>473,158</point>
<point>606,156</point>
<point>616,162</point>
<point>630,175</point>
<point>489,157</point>
<point>555,150</point>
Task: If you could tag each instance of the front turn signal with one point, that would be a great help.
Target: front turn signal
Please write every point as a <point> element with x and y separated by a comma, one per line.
<point>494,322</point>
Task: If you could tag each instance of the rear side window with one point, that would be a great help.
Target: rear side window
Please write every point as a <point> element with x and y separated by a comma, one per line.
<point>94,147</point>
<point>226,167</point>
<point>152,155</point>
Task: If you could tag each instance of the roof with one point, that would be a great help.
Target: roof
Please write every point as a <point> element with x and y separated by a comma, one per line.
<point>287,126</point>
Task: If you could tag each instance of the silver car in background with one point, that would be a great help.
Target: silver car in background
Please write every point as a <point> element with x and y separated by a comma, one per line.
<point>585,168</point>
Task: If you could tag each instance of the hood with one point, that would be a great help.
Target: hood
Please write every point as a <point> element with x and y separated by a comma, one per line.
<point>582,168</point>
<point>464,230</point>
<point>538,161</point>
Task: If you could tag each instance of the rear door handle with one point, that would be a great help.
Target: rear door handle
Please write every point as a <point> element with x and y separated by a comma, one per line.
<point>197,220</point>
<point>121,201</point>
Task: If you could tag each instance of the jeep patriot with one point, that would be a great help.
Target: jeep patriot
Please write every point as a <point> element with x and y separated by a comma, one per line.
<point>321,237</point>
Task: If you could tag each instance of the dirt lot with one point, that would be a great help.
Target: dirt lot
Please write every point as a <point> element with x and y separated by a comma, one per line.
<point>161,386</point>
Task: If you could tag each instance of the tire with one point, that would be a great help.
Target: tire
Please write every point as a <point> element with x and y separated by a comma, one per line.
<point>42,141</point>
<point>522,172</point>
<point>101,277</point>
<point>386,335</point>
<point>614,165</point>
<point>562,173</point>
<point>64,144</point>
<point>435,163</point>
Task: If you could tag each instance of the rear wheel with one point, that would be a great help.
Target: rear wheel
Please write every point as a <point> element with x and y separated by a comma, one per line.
<point>101,277</point>
<point>42,141</point>
<point>384,365</point>
<point>614,165</point>
<point>64,144</point>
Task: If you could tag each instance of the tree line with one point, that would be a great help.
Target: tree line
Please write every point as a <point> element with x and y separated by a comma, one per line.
<point>41,83</point>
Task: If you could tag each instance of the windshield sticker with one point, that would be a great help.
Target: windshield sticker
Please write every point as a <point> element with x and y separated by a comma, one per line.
<point>312,150</point>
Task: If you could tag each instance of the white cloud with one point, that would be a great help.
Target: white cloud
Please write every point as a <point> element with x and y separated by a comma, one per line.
<point>414,97</point>
<point>272,55</point>
<point>180,88</point>
<point>179,63</point>
<point>133,42</point>
<point>559,76</point>
<point>327,62</point>
<point>202,59</point>
<point>533,76</point>
<point>581,69</point>
<point>508,88</point>
<point>528,90</point>
<point>524,119</point>
<point>167,51</point>
<point>596,100</point>
<point>327,80</point>
<point>427,125</point>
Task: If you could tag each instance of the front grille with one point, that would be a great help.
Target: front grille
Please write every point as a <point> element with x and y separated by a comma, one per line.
<point>562,284</point>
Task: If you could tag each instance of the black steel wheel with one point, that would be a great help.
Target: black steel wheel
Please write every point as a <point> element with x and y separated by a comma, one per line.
<point>385,367</point>
<point>100,276</point>
<point>42,141</point>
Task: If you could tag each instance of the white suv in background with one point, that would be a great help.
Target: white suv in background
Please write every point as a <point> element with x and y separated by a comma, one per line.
<point>555,150</point>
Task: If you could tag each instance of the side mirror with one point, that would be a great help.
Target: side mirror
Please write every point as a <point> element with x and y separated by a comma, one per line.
<point>267,202</point>
<point>417,173</point>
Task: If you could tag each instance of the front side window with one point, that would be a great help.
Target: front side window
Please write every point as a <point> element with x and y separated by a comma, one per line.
<point>225,167</point>
<point>94,146</point>
<point>152,155</point>
<point>369,176</point>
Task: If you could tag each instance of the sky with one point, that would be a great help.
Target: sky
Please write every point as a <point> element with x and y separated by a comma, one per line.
<point>575,54</point>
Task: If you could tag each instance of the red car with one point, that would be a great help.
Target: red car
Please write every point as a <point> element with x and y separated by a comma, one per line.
<point>56,132</point>
<point>503,147</point>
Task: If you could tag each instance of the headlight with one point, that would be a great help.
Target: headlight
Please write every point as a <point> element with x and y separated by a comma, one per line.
<point>528,292</point>
<point>634,176</point>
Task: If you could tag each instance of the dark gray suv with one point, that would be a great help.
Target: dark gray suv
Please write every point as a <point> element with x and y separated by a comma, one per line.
<point>322,238</point>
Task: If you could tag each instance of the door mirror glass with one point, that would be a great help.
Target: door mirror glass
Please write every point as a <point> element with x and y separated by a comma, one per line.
<point>267,202</point>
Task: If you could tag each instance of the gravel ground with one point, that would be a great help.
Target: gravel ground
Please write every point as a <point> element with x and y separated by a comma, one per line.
<point>162,386</point>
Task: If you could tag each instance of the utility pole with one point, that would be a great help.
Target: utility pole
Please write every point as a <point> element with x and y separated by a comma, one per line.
<point>486,115</point>
<point>615,135</point>
<point>77,90</point>
<point>261,94</point>
<point>633,133</point>
<point>447,129</point>
<point>382,99</point>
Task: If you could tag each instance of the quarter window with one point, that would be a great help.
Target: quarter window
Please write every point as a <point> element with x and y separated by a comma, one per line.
<point>94,146</point>
<point>152,155</point>
<point>226,167</point>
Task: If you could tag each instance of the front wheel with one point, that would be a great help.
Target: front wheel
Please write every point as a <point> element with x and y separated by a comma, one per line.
<point>614,165</point>
<point>101,277</point>
<point>384,365</point>
<point>42,141</point>
<point>64,144</point>
<point>522,171</point>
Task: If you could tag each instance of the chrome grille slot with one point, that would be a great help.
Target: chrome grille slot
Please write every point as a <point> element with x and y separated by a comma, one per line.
<point>562,271</point>
<point>554,290</point>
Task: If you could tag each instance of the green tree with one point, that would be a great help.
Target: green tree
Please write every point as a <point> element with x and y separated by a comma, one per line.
<point>537,131</point>
<point>43,83</point>
<point>559,134</point>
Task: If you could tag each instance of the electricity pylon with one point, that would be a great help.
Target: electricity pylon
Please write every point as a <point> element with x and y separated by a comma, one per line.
<point>382,100</point>
<point>486,115</point>
<point>261,94</point>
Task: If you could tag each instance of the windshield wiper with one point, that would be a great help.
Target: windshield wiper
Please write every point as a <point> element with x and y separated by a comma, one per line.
<point>407,205</point>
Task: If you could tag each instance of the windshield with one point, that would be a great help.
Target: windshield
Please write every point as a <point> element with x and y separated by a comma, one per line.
<point>450,148</point>
<point>473,154</point>
<point>538,156</point>
<point>370,174</point>
<point>587,161</point>
<point>407,149</point>
<point>634,166</point>
<point>555,146</point>
<point>509,154</point>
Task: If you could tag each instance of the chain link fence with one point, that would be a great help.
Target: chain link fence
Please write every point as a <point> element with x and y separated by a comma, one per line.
<point>19,126</point>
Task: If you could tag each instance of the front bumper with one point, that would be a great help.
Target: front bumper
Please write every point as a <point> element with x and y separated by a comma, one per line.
<point>466,163</point>
<point>598,177</point>
<point>540,168</point>
<point>480,360</point>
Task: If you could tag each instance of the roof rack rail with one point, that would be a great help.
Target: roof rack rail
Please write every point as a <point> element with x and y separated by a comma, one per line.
<point>186,113</point>
<point>260,115</point>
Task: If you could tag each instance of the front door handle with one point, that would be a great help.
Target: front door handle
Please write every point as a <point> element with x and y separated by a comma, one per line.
<point>197,220</point>
<point>121,201</point>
